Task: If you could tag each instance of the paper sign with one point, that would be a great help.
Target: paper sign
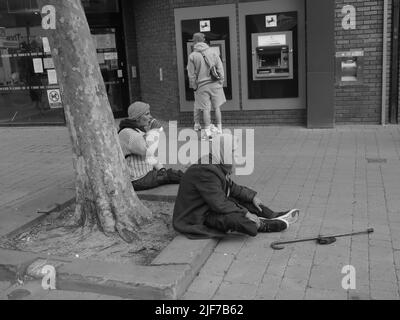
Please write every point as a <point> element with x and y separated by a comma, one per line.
<point>100,58</point>
<point>48,63</point>
<point>110,56</point>
<point>120,74</point>
<point>105,41</point>
<point>54,97</point>
<point>46,45</point>
<point>271,21</point>
<point>272,40</point>
<point>38,65</point>
<point>205,26</point>
<point>52,75</point>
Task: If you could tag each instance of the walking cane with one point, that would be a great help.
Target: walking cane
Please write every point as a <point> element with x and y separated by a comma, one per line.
<point>324,240</point>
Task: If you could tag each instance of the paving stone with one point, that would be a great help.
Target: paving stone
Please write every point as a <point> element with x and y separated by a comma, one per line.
<point>235,291</point>
<point>189,295</point>
<point>207,285</point>
<point>217,264</point>
<point>269,287</point>
<point>360,293</point>
<point>384,286</point>
<point>381,271</point>
<point>324,294</point>
<point>384,295</point>
<point>325,277</point>
<point>288,284</point>
<point>244,271</point>
<point>298,271</point>
<point>231,245</point>
<point>290,294</point>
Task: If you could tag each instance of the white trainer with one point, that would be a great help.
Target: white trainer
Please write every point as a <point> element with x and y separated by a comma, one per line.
<point>291,217</point>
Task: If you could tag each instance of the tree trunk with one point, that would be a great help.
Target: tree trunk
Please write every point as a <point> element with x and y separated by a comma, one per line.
<point>104,193</point>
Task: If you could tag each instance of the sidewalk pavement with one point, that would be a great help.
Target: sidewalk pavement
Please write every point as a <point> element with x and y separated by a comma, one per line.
<point>343,179</point>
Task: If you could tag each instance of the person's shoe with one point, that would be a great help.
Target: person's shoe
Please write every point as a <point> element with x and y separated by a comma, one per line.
<point>174,176</point>
<point>206,137</point>
<point>213,129</point>
<point>290,217</point>
<point>197,127</point>
<point>272,225</point>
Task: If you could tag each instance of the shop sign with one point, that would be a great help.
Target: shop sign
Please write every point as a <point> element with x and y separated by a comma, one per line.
<point>271,21</point>
<point>54,97</point>
<point>8,44</point>
<point>349,20</point>
<point>205,26</point>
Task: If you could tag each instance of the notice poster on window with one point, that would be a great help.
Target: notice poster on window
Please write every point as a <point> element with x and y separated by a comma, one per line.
<point>46,45</point>
<point>48,63</point>
<point>100,57</point>
<point>38,65</point>
<point>54,97</point>
<point>110,56</point>
<point>52,75</point>
<point>105,41</point>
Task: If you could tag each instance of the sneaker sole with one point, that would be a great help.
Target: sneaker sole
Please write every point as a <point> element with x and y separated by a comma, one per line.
<point>291,217</point>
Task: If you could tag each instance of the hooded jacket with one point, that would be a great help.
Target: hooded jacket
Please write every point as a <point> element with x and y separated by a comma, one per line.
<point>204,190</point>
<point>198,70</point>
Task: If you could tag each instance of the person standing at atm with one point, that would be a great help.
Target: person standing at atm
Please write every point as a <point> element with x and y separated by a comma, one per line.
<point>208,93</point>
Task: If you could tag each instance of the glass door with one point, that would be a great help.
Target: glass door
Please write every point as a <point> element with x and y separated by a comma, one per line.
<point>112,64</point>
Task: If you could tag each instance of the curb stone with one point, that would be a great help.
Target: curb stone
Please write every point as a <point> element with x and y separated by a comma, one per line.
<point>166,278</point>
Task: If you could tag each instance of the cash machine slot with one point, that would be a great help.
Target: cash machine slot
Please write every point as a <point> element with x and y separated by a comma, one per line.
<point>272,56</point>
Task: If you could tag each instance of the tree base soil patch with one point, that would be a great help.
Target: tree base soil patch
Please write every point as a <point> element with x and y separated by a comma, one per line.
<point>53,237</point>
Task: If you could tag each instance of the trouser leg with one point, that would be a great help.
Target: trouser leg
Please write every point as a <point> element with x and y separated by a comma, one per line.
<point>231,222</point>
<point>169,176</point>
<point>197,116</point>
<point>149,181</point>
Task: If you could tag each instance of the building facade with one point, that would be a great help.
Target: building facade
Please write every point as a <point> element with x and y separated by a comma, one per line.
<point>288,62</point>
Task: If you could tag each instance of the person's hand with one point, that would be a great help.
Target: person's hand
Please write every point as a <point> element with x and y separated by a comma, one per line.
<point>257,202</point>
<point>254,218</point>
<point>155,124</point>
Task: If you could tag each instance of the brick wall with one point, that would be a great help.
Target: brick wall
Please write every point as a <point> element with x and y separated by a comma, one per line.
<point>155,31</point>
<point>362,103</point>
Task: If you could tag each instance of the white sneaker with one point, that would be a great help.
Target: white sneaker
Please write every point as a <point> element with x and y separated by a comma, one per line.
<point>214,129</point>
<point>291,217</point>
<point>197,127</point>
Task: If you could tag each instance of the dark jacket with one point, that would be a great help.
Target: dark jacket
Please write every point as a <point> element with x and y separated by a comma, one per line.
<point>204,190</point>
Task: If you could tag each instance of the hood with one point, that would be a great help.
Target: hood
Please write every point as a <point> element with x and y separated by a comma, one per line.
<point>201,46</point>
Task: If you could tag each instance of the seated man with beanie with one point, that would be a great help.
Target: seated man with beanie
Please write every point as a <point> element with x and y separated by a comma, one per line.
<point>139,136</point>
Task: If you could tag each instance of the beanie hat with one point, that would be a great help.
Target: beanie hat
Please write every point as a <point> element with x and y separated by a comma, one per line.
<point>137,109</point>
<point>199,37</point>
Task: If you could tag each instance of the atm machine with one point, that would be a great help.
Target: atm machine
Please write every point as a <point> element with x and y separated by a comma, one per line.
<point>272,55</point>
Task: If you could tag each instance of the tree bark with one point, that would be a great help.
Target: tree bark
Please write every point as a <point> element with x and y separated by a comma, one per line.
<point>104,193</point>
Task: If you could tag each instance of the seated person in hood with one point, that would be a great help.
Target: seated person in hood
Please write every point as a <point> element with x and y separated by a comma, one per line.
<point>139,137</point>
<point>209,204</point>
